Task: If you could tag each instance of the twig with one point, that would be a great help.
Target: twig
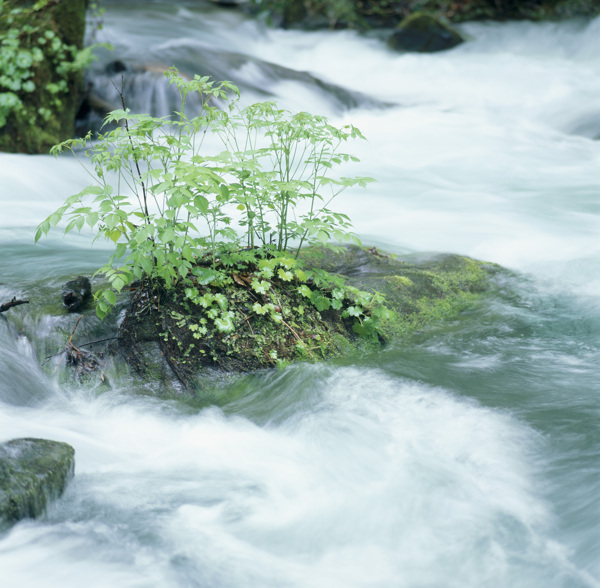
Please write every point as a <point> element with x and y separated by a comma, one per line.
<point>135,158</point>
<point>246,318</point>
<point>73,332</point>
<point>98,341</point>
<point>82,345</point>
<point>298,338</point>
<point>14,302</point>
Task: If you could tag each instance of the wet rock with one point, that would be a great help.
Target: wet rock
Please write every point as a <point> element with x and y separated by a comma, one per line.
<point>84,364</point>
<point>159,335</point>
<point>420,289</point>
<point>76,292</point>
<point>32,472</point>
<point>423,33</point>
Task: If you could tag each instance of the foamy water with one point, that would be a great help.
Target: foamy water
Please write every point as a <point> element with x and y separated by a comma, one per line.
<point>466,456</point>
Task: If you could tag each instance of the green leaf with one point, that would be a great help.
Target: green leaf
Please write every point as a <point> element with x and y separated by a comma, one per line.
<point>110,297</point>
<point>300,275</point>
<point>118,283</point>
<point>206,275</point>
<point>305,291</point>
<point>260,286</point>
<point>115,235</point>
<point>146,264</point>
<point>201,203</point>
<point>285,275</point>
<point>259,308</point>
<point>320,302</point>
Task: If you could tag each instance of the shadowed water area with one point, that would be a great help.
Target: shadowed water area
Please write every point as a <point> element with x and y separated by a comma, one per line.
<point>467,454</point>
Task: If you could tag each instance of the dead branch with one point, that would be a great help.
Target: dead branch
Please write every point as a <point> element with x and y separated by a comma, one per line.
<point>14,302</point>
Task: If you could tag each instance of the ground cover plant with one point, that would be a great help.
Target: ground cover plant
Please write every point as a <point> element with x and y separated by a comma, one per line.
<point>213,236</point>
<point>42,59</point>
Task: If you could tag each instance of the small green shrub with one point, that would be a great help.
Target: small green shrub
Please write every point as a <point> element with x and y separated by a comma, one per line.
<point>181,215</point>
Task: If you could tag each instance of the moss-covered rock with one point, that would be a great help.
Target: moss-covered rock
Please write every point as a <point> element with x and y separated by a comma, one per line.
<point>424,33</point>
<point>420,290</point>
<point>166,337</point>
<point>41,79</point>
<point>32,472</point>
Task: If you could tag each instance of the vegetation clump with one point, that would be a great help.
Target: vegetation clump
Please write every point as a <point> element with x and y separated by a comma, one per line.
<point>41,80</point>
<point>209,215</point>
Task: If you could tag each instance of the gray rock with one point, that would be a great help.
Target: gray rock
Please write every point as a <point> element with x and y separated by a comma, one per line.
<point>423,33</point>
<point>32,472</point>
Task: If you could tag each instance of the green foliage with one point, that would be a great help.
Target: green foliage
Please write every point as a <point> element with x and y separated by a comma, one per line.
<point>39,69</point>
<point>181,215</point>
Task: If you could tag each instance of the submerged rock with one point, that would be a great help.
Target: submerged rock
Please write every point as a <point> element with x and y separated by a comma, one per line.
<point>424,33</point>
<point>32,472</point>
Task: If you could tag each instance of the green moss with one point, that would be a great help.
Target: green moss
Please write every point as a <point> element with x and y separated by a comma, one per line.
<point>42,82</point>
<point>400,281</point>
<point>32,472</point>
<point>161,337</point>
<point>169,331</point>
<point>419,291</point>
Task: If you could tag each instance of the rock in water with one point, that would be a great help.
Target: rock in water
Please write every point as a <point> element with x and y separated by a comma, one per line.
<point>423,33</point>
<point>32,472</point>
<point>76,292</point>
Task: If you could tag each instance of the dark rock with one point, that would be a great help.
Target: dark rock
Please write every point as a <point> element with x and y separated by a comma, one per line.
<point>32,472</point>
<point>115,67</point>
<point>76,292</point>
<point>230,3</point>
<point>423,33</point>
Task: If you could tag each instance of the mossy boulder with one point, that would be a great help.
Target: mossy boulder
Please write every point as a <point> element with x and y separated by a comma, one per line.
<point>32,472</point>
<point>41,82</point>
<point>160,333</point>
<point>420,289</point>
<point>164,335</point>
<point>424,33</point>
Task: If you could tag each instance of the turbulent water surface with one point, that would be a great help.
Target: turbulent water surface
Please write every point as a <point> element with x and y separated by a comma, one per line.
<point>468,455</point>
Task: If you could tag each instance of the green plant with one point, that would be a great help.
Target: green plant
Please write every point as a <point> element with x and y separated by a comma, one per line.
<point>40,71</point>
<point>180,215</point>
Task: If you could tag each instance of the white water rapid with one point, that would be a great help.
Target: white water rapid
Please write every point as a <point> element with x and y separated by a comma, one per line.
<point>465,456</point>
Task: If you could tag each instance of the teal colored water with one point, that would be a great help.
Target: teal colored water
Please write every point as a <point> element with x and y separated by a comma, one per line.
<point>466,455</point>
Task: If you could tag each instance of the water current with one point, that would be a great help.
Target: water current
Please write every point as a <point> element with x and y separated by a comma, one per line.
<point>465,456</point>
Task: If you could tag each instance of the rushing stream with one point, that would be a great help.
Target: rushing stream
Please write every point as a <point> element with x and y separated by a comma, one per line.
<point>465,456</point>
